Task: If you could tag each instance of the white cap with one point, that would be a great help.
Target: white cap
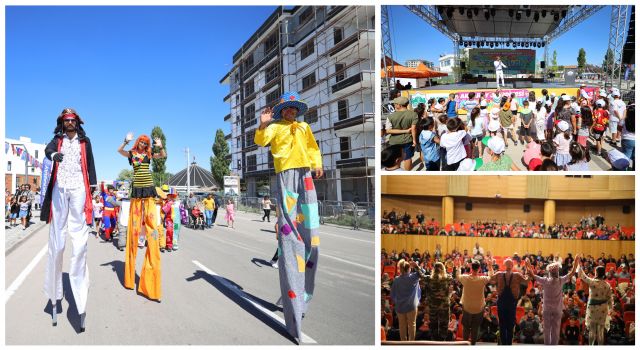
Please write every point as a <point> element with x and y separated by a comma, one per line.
<point>467,164</point>
<point>493,126</point>
<point>600,103</point>
<point>494,112</point>
<point>603,93</point>
<point>496,144</point>
<point>563,126</point>
<point>616,93</point>
<point>566,98</point>
<point>483,103</point>
<point>548,103</point>
<point>553,94</point>
<point>437,107</point>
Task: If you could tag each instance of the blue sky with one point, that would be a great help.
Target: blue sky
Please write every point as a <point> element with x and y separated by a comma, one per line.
<point>412,37</point>
<point>124,69</point>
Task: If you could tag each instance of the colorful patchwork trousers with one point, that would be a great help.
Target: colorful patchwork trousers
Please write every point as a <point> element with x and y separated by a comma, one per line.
<point>298,242</point>
<point>142,213</point>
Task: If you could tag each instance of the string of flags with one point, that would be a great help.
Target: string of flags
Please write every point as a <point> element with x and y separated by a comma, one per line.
<point>22,153</point>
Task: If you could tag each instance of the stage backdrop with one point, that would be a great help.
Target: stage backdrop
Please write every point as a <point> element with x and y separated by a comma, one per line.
<point>517,61</point>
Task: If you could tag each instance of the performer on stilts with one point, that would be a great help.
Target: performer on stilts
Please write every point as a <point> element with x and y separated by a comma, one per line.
<point>68,208</point>
<point>295,154</point>
<point>142,212</point>
<point>552,302</point>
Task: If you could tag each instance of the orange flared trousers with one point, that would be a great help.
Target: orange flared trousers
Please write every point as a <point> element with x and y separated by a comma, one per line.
<point>143,212</point>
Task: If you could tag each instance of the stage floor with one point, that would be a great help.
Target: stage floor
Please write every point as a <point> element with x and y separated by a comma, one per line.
<point>509,86</point>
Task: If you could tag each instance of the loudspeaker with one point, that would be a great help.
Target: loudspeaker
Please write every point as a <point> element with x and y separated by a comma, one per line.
<point>523,84</point>
<point>481,85</point>
<point>492,85</point>
<point>463,65</point>
<point>527,208</point>
<point>626,209</point>
<point>542,64</point>
<point>468,206</point>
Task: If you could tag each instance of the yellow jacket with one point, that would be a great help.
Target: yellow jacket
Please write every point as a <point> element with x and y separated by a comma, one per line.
<point>292,145</point>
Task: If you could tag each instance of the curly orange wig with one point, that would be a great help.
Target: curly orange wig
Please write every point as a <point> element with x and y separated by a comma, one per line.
<point>145,139</point>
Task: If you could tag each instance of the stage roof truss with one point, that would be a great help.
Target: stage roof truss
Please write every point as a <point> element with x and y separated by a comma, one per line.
<point>575,16</point>
<point>617,35</point>
<point>387,50</point>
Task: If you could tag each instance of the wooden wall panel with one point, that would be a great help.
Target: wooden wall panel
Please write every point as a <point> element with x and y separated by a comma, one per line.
<point>416,185</point>
<point>572,211</point>
<point>596,187</point>
<point>507,210</point>
<point>507,246</point>
<point>430,206</point>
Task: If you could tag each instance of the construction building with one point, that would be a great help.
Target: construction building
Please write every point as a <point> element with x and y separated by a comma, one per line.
<point>326,53</point>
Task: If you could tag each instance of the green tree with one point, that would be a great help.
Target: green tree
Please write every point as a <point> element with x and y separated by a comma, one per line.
<point>158,166</point>
<point>608,61</point>
<point>125,174</point>
<point>220,160</point>
<point>582,59</point>
<point>554,60</point>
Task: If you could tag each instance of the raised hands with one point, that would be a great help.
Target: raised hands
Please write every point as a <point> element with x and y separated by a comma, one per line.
<point>157,142</point>
<point>266,116</point>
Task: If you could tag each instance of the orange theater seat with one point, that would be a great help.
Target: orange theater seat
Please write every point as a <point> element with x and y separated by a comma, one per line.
<point>390,270</point>
<point>383,334</point>
<point>459,333</point>
<point>520,312</point>
<point>610,266</point>
<point>623,280</point>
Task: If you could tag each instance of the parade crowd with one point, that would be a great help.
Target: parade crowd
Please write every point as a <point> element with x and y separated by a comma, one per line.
<point>588,227</point>
<point>530,299</point>
<point>558,132</point>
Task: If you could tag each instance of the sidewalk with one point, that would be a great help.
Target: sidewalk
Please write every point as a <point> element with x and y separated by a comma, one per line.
<point>16,235</point>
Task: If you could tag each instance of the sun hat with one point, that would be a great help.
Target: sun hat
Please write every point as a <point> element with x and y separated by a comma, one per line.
<point>479,163</point>
<point>467,164</point>
<point>483,103</point>
<point>600,103</point>
<point>496,144</point>
<point>400,100</point>
<point>494,112</point>
<point>493,126</point>
<point>290,99</point>
<point>563,126</point>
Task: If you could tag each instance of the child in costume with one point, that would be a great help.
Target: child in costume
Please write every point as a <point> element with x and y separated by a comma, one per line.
<point>167,210</point>
<point>109,210</point>
<point>142,212</point>
<point>295,154</point>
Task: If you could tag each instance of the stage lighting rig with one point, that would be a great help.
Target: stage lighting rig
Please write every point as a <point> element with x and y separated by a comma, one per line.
<point>493,12</point>
<point>544,13</point>
<point>528,13</point>
<point>450,12</point>
<point>486,14</point>
<point>518,15</point>
<point>511,13</point>
<point>475,11</point>
<point>469,14</point>
<point>461,10</point>
<point>536,16</point>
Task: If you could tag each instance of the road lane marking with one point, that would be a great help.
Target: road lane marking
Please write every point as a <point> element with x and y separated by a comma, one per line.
<point>348,262</point>
<point>305,338</point>
<point>23,275</point>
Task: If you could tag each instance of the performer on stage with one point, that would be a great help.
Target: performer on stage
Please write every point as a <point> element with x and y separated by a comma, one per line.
<point>295,153</point>
<point>143,212</point>
<point>552,304</point>
<point>508,288</point>
<point>472,300</point>
<point>499,74</point>
<point>67,207</point>
<point>599,306</point>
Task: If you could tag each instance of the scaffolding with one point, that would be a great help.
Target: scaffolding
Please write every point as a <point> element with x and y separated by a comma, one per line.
<point>617,36</point>
<point>387,51</point>
<point>358,58</point>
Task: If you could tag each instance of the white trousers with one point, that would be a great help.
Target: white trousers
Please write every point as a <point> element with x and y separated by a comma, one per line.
<point>499,75</point>
<point>68,217</point>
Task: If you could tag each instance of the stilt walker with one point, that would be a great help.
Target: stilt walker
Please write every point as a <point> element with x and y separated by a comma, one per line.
<point>295,153</point>
<point>142,213</point>
<point>68,208</point>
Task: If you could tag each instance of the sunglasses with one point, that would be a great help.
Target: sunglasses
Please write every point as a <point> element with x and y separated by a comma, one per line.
<point>69,120</point>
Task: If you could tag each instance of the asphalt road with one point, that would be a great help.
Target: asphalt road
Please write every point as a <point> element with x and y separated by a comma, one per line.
<point>216,290</point>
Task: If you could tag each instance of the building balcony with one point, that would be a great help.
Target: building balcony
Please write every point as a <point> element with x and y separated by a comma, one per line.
<point>227,117</point>
<point>360,123</point>
<point>361,39</point>
<point>357,81</point>
<point>227,137</point>
<point>226,98</point>
<point>359,162</point>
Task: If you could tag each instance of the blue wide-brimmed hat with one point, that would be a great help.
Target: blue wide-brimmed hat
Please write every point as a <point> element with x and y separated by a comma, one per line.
<point>289,99</point>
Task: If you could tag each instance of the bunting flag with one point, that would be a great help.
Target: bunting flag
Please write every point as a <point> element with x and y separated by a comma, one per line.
<point>19,151</point>
<point>13,149</point>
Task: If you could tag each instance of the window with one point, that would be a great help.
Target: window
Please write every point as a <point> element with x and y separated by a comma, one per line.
<point>308,81</point>
<point>238,143</point>
<point>249,138</point>
<point>343,109</point>
<point>237,98</point>
<point>272,72</point>
<point>305,15</point>
<point>340,71</point>
<point>8,166</point>
<point>251,163</point>
<point>250,112</point>
<point>345,148</point>
<point>337,35</point>
<point>271,42</point>
<point>307,49</point>
<point>36,154</point>
<point>311,116</point>
<point>270,160</point>
<point>249,88</point>
<point>272,97</point>
<point>248,62</point>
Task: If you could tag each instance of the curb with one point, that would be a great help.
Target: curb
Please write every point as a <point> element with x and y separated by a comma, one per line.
<point>24,239</point>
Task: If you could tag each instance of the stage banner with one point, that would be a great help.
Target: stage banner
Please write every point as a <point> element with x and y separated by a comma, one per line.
<point>517,61</point>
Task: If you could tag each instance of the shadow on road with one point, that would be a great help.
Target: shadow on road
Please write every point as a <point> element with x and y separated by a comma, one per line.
<point>223,286</point>
<point>260,262</point>
<point>117,266</point>
<point>265,230</point>
<point>72,310</point>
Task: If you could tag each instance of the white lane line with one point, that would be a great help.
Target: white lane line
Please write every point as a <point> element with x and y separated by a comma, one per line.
<point>305,338</point>
<point>348,262</point>
<point>23,275</point>
<point>344,237</point>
